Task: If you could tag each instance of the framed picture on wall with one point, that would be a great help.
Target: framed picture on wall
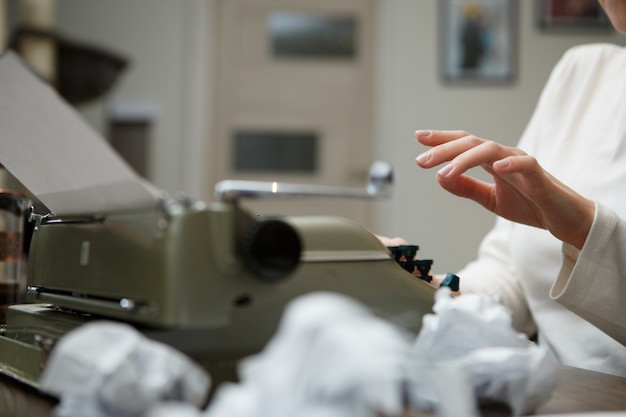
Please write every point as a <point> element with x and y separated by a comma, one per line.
<point>571,15</point>
<point>478,41</point>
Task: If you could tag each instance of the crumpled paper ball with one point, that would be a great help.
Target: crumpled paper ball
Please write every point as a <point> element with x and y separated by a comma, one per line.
<point>109,369</point>
<point>330,356</point>
<point>474,336</point>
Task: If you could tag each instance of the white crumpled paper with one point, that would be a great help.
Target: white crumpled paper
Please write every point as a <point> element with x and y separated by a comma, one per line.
<point>474,336</point>
<point>331,357</point>
<point>108,369</point>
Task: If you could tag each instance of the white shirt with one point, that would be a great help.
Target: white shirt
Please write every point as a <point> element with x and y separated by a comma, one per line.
<point>577,300</point>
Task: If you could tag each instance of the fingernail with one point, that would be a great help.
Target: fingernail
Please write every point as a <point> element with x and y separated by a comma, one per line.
<point>423,158</point>
<point>501,164</point>
<point>445,171</point>
<point>423,132</point>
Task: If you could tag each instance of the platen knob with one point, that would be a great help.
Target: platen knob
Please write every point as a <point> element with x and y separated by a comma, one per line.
<point>271,249</point>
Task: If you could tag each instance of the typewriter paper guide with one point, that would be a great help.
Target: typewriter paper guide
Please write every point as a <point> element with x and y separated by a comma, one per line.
<point>50,149</point>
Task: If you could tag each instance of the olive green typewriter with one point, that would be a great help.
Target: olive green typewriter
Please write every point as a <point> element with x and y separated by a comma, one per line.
<point>208,278</point>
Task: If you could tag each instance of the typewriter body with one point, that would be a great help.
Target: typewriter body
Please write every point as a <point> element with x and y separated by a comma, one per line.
<point>210,279</point>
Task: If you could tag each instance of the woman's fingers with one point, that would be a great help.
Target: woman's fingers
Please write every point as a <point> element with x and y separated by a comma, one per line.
<point>437,137</point>
<point>464,154</point>
<point>469,187</point>
<point>392,241</point>
<point>527,175</point>
<point>447,149</point>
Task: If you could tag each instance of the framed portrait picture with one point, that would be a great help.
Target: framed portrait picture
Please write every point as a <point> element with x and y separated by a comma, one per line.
<point>563,15</point>
<point>478,41</point>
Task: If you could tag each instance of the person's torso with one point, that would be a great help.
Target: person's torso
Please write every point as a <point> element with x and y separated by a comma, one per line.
<point>581,141</point>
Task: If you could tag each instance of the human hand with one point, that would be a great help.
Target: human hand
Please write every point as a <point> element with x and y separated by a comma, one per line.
<point>522,191</point>
<point>392,241</point>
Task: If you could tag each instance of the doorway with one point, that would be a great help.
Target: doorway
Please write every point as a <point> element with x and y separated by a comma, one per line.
<point>294,99</point>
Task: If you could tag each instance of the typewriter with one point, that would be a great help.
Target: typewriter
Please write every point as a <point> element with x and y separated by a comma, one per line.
<point>208,278</point>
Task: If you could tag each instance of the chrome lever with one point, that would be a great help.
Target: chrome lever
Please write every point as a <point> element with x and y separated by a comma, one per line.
<point>380,181</point>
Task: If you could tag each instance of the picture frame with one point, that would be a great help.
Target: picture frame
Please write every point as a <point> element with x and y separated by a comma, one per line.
<point>571,15</point>
<point>478,41</point>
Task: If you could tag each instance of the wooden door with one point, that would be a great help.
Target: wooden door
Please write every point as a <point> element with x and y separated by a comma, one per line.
<point>294,99</point>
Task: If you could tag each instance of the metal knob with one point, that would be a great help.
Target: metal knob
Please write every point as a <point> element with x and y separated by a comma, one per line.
<point>271,249</point>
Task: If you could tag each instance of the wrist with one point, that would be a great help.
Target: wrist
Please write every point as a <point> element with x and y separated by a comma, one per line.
<point>581,223</point>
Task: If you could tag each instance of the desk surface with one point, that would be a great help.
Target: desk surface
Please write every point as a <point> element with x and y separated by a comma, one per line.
<point>577,391</point>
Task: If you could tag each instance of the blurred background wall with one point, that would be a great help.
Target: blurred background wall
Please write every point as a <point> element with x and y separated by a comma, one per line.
<point>169,82</point>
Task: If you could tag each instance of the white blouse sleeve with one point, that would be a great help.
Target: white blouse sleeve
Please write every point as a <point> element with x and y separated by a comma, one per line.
<point>592,282</point>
